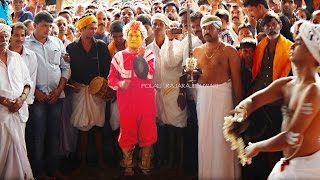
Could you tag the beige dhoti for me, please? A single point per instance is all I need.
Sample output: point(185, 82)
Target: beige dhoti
point(306, 168)
point(216, 160)
point(88, 110)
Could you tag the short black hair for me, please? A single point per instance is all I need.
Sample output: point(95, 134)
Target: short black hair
point(196, 15)
point(170, 4)
point(27, 22)
point(223, 14)
point(128, 7)
point(145, 19)
point(72, 28)
point(268, 17)
point(242, 26)
point(247, 3)
point(18, 25)
point(116, 26)
point(305, 11)
point(155, 3)
point(203, 2)
point(65, 12)
point(43, 16)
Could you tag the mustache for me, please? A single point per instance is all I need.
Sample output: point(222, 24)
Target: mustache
point(235, 17)
point(272, 33)
point(171, 18)
point(102, 24)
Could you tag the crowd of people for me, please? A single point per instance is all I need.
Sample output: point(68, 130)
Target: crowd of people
point(119, 72)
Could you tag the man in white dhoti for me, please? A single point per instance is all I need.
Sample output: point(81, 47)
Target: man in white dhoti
point(299, 139)
point(168, 58)
point(89, 59)
point(15, 85)
point(218, 88)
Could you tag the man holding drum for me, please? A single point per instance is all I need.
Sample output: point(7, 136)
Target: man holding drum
point(89, 58)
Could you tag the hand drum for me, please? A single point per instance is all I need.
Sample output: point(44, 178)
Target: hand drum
point(140, 67)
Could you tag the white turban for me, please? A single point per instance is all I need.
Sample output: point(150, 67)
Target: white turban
point(5, 28)
point(160, 17)
point(210, 19)
point(310, 34)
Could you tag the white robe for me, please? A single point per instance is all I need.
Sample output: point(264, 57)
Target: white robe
point(168, 69)
point(14, 163)
point(216, 160)
point(307, 167)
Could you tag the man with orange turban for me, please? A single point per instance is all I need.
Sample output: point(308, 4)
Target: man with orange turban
point(89, 58)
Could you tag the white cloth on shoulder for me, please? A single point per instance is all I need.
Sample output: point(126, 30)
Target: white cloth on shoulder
point(307, 167)
point(216, 159)
point(88, 110)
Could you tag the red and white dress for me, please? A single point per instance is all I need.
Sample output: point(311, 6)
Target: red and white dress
point(136, 104)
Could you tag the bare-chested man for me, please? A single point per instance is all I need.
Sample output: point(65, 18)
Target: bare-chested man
point(299, 138)
point(218, 89)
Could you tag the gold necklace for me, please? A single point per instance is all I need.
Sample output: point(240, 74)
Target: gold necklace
point(214, 52)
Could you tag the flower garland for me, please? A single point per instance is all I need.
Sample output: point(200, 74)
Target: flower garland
point(237, 143)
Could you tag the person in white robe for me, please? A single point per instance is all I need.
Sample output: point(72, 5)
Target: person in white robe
point(168, 58)
point(15, 85)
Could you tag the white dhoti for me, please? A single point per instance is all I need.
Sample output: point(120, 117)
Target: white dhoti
point(216, 159)
point(306, 168)
point(14, 163)
point(88, 110)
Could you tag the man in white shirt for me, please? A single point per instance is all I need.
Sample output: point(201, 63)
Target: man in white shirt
point(17, 40)
point(15, 84)
point(168, 70)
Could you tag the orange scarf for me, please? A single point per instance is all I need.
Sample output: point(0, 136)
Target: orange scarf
point(113, 49)
point(281, 61)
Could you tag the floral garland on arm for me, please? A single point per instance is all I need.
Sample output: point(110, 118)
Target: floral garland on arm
point(237, 143)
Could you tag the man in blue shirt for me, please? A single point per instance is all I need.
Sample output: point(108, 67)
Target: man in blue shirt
point(19, 14)
point(4, 11)
point(45, 114)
